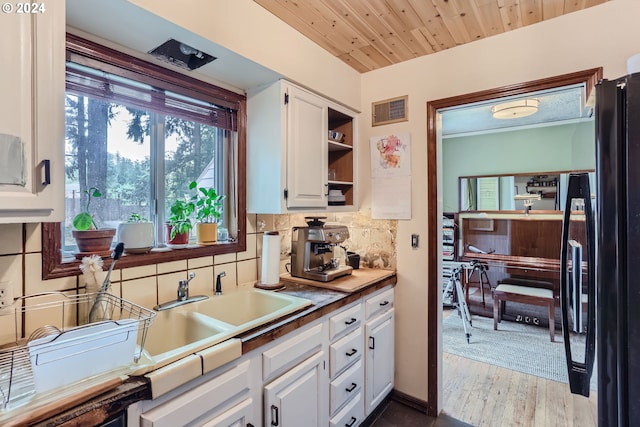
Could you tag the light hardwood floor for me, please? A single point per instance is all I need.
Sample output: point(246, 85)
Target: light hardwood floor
point(485, 395)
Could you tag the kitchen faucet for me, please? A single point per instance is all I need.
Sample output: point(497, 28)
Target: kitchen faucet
point(183, 287)
point(183, 295)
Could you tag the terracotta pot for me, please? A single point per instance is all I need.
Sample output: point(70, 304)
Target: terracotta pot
point(180, 240)
point(94, 241)
point(207, 232)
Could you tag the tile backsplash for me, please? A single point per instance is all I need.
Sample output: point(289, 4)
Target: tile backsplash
point(21, 262)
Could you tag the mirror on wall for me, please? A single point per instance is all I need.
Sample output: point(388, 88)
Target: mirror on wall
point(526, 191)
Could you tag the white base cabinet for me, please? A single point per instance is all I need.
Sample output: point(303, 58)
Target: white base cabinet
point(380, 359)
point(293, 399)
point(238, 416)
point(331, 372)
point(221, 399)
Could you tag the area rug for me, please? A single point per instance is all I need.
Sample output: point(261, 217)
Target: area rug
point(516, 346)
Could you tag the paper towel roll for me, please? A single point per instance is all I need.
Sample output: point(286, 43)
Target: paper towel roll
point(270, 258)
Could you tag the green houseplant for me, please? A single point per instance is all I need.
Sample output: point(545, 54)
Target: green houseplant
point(208, 208)
point(179, 224)
point(137, 234)
point(89, 237)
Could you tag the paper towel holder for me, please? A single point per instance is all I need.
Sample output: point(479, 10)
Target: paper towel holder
point(269, 286)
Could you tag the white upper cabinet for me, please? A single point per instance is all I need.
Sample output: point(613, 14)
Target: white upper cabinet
point(291, 164)
point(32, 112)
point(307, 180)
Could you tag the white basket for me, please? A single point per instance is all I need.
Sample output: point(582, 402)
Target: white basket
point(77, 350)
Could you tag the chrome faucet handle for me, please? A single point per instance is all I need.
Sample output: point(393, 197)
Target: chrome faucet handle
point(183, 287)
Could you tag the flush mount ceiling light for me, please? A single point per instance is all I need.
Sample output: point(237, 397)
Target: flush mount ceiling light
point(515, 109)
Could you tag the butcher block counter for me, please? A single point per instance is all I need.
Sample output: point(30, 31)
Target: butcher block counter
point(357, 280)
point(99, 405)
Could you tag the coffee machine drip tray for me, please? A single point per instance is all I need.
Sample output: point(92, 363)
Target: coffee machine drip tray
point(326, 275)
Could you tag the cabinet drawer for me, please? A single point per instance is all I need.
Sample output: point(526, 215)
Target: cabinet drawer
point(344, 321)
point(351, 415)
point(379, 303)
point(345, 351)
point(346, 386)
point(203, 399)
point(283, 356)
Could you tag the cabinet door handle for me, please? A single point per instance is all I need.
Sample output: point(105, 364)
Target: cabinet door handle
point(274, 415)
point(351, 321)
point(327, 193)
point(372, 343)
point(382, 304)
point(352, 352)
point(351, 387)
point(46, 165)
point(351, 422)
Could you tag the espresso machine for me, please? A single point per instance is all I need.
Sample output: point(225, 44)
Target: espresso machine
point(312, 250)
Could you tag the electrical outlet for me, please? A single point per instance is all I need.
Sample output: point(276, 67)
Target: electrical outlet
point(6, 295)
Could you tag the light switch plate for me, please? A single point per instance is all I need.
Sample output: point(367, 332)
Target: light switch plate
point(415, 241)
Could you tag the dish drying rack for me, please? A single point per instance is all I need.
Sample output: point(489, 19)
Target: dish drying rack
point(68, 348)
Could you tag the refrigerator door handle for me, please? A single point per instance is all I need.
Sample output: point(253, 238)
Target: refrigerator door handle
point(579, 372)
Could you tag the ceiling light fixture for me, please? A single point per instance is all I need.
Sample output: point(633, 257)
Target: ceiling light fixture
point(515, 109)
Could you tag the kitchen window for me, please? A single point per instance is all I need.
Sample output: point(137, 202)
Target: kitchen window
point(140, 133)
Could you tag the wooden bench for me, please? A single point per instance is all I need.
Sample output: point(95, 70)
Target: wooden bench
point(526, 295)
point(527, 282)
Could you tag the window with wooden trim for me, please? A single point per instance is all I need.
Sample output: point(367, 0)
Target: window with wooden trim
point(141, 133)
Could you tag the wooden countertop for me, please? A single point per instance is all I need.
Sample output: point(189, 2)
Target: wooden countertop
point(100, 401)
point(358, 279)
point(325, 299)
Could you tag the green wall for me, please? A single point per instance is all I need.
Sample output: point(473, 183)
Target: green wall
point(548, 149)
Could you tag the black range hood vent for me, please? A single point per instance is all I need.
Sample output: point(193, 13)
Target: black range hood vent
point(181, 55)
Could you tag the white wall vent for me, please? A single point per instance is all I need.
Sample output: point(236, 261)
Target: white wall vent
point(389, 111)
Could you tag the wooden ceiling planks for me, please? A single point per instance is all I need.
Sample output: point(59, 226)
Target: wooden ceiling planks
point(531, 11)
point(371, 34)
point(552, 9)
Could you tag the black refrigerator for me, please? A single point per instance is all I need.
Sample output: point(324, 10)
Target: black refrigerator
point(607, 270)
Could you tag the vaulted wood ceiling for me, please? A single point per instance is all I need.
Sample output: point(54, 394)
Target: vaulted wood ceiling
point(371, 34)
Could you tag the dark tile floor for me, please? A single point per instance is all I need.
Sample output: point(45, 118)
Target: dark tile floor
point(399, 415)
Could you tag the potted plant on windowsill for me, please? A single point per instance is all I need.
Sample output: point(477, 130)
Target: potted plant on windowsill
point(89, 238)
point(137, 234)
point(208, 207)
point(179, 225)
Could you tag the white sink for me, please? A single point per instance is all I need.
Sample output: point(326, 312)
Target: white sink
point(180, 331)
point(189, 328)
point(248, 309)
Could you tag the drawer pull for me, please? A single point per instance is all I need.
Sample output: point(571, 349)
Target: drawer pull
point(274, 415)
point(351, 387)
point(351, 322)
point(352, 352)
point(351, 422)
point(382, 304)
